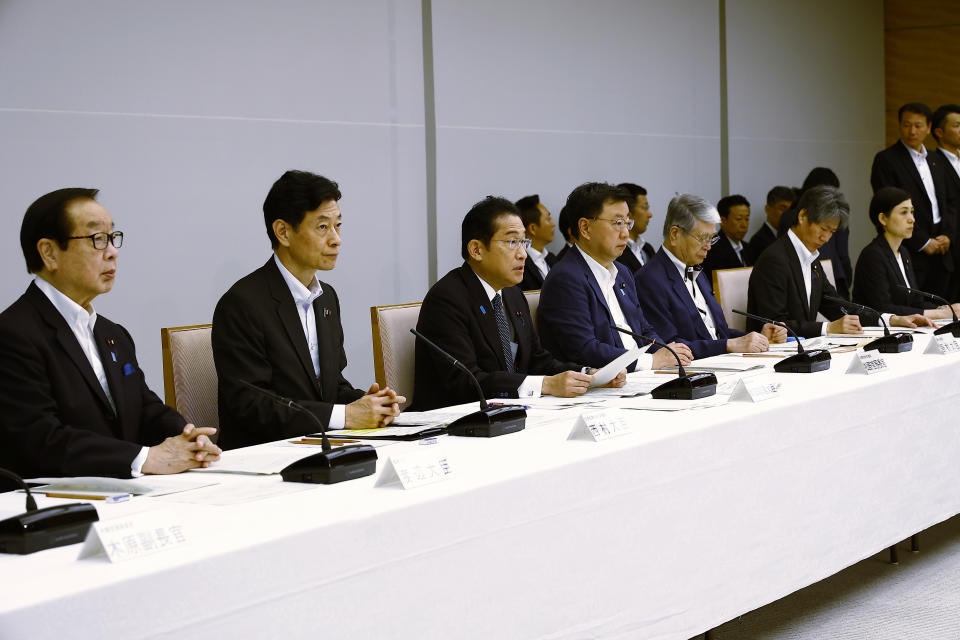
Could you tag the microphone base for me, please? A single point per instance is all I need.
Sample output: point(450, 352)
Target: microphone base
point(689, 387)
point(489, 423)
point(810, 361)
point(46, 528)
point(893, 343)
point(953, 327)
point(348, 462)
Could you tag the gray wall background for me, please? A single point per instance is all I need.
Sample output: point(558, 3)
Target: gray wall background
point(184, 112)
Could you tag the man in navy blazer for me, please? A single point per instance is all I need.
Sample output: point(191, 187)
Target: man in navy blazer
point(588, 291)
point(73, 398)
point(674, 293)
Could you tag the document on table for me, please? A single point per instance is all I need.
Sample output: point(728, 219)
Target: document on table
point(553, 403)
point(609, 372)
point(386, 433)
point(146, 486)
point(430, 418)
point(241, 491)
point(259, 460)
point(656, 404)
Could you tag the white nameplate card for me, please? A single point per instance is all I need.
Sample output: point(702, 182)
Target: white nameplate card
point(944, 344)
point(868, 362)
point(426, 465)
point(599, 425)
point(755, 389)
point(135, 536)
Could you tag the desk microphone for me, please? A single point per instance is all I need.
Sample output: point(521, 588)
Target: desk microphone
point(953, 327)
point(330, 465)
point(890, 342)
point(39, 529)
point(803, 361)
point(488, 422)
point(685, 386)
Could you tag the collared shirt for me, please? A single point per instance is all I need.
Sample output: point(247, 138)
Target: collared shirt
point(539, 259)
point(607, 279)
point(304, 298)
point(806, 267)
point(532, 386)
point(903, 270)
point(695, 294)
point(953, 158)
point(737, 248)
point(636, 246)
point(772, 228)
point(81, 323)
point(920, 161)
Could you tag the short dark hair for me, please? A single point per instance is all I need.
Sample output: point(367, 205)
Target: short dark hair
point(563, 221)
point(47, 218)
point(780, 194)
point(529, 211)
point(587, 200)
point(915, 107)
point(940, 117)
point(726, 203)
point(480, 221)
point(633, 191)
point(824, 203)
point(293, 195)
point(883, 202)
point(820, 177)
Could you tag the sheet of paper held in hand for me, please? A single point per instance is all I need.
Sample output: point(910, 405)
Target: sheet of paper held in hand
point(610, 371)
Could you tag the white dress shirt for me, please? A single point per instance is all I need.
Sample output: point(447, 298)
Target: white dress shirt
point(737, 248)
point(304, 297)
point(695, 293)
point(607, 279)
point(903, 270)
point(920, 161)
point(532, 386)
point(539, 259)
point(81, 323)
point(954, 160)
point(636, 246)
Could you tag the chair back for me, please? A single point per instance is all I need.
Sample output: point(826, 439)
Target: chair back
point(730, 287)
point(533, 301)
point(189, 375)
point(393, 346)
point(828, 271)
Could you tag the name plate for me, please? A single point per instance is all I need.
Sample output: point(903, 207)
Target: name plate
point(868, 362)
point(599, 425)
point(755, 389)
point(427, 465)
point(944, 344)
point(141, 534)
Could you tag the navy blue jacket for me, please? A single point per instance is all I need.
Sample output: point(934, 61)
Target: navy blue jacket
point(573, 318)
point(666, 300)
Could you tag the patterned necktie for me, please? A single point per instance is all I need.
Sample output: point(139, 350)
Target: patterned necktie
point(504, 330)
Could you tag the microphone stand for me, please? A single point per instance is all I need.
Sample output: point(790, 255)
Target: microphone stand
point(889, 342)
point(685, 386)
point(952, 327)
point(803, 361)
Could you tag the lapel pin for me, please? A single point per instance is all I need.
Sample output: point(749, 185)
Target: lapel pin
point(326, 312)
point(482, 310)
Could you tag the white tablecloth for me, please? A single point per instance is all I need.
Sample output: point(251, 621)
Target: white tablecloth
point(692, 519)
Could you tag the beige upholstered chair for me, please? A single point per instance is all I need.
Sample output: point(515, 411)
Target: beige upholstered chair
point(189, 377)
point(533, 299)
point(393, 346)
point(730, 287)
point(828, 271)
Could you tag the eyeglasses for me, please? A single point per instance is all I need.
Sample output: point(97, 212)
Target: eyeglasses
point(619, 224)
point(710, 239)
point(514, 243)
point(100, 239)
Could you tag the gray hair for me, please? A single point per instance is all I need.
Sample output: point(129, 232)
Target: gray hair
point(825, 203)
point(684, 211)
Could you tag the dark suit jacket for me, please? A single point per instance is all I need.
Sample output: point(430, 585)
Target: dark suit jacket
point(532, 280)
point(666, 302)
point(893, 167)
point(776, 291)
point(573, 317)
point(56, 419)
point(629, 259)
point(836, 250)
point(721, 256)
point(457, 316)
point(257, 337)
point(877, 277)
point(762, 239)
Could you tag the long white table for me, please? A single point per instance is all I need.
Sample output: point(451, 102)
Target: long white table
point(692, 519)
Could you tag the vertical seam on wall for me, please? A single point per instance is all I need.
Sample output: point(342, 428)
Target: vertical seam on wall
point(430, 138)
point(724, 129)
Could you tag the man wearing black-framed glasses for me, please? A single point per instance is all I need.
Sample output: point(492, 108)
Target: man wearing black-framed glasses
point(73, 398)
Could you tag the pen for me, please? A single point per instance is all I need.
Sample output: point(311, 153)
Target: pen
point(119, 497)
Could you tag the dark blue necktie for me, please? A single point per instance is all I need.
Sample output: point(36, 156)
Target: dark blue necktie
point(504, 330)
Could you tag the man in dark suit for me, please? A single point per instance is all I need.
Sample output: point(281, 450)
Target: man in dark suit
point(588, 291)
point(539, 227)
point(946, 130)
point(638, 251)
point(563, 222)
point(779, 199)
point(278, 328)
point(729, 252)
point(677, 301)
point(477, 314)
point(73, 398)
point(788, 284)
point(907, 165)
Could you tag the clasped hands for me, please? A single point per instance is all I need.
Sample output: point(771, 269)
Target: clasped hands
point(189, 449)
point(376, 408)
